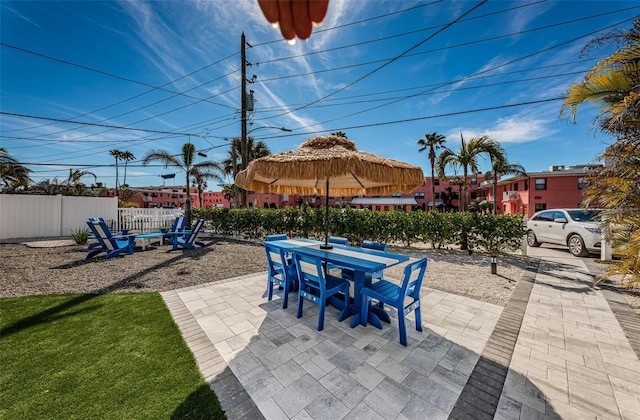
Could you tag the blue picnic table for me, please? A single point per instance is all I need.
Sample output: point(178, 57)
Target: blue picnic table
point(363, 262)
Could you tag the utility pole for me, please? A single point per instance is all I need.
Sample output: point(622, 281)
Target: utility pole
point(243, 115)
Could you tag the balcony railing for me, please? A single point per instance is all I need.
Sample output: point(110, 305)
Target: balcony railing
point(510, 196)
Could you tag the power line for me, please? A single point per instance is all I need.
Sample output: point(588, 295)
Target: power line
point(462, 79)
point(427, 117)
point(115, 127)
point(343, 101)
point(386, 38)
point(385, 123)
point(388, 62)
point(104, 73)
point(362, 21)
point(448, 47)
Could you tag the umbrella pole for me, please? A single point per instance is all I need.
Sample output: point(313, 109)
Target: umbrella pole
point(326, 220)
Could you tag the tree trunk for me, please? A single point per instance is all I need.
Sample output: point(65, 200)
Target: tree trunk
point(187, 205)
point(495, 192)
point(433, 187)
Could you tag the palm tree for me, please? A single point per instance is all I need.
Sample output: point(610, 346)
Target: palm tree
point(255, 150)
point(117, 154)
point(74, 185)
point(184, 161)
point(467, 159)
point(229, 192)
point(611, 86)
point(200, 177)
point(127, 156)
point(233, 163)
point(432, 142)
point(12, 174)
point(500, 166)
point(339, 134)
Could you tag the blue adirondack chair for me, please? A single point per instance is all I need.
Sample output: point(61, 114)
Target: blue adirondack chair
point(317, 287)
point(393, 295)
point(177, 227)
point(112, 245)
point(281, 272)
point(188, 239)
point(121, 232)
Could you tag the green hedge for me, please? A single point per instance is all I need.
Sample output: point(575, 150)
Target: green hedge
point(485, 232)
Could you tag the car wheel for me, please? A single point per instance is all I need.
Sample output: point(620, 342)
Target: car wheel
point(576, 246)
point(532, 240)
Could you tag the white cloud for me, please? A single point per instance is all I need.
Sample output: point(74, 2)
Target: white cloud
point(21, 16)
point(518, 130)
point(513, 129)
point(521, 19)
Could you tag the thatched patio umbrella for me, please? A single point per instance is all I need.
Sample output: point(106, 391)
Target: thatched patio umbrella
point(329, 165)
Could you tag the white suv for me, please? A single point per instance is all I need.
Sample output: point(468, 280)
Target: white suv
point(576, 228)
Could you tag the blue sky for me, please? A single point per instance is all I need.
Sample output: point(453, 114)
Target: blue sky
point(138, 76)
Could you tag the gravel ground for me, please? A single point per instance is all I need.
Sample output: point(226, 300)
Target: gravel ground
point(58, 266)
point(55, 267)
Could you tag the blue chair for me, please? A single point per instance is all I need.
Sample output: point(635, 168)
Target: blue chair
point(338, 240)
point(280, 272)
point(112, 245)
point(317, 287)
point(278, 237)
point(177, 227)
point(188, 239)
point(390, 293)
point(347, 273)
point(378, 246)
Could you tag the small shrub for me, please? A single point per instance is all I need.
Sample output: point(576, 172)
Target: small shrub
point(80, 236)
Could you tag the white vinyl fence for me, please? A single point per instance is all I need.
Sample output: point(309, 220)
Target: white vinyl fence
point(32, 216)
point(47, 216)
point(146, 220)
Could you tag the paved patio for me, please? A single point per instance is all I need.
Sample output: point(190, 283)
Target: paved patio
point(556, 351)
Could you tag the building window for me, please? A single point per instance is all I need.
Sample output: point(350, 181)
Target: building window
point(419, 196)
point(437, 195)
point(474, 181)
point(526, 185)
point(396, 195)
point(541, 184)
point(582, 183)
point(541, 206)
point(436, 181)
point(473, 195)
point(515, 187)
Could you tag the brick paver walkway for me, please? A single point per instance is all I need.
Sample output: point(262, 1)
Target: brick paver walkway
point(572, 359)
point(556, 351)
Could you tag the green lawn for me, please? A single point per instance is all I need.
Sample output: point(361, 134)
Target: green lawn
point(113, 356)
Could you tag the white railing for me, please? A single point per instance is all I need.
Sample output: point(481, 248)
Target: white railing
point(146, 220)
point(510, 195)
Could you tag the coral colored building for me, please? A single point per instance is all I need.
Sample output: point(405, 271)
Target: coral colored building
point(447, 198)
point(560, 186)
point(163, 196)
